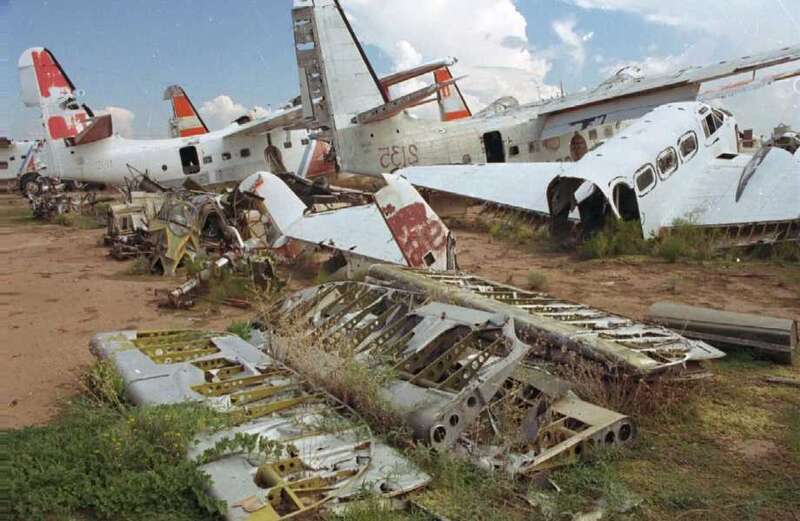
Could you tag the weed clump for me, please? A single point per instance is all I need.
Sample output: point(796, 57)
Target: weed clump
point(109, 461)
point(243, 330)
point(139, 266)
point(537, 280)
point(687, 241)
point(616, 239)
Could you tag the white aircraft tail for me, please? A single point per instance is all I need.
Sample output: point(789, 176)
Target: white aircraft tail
point(419, 232)
point(337, 81)
point(186, 121)
point(452, 105)
point(44, 84)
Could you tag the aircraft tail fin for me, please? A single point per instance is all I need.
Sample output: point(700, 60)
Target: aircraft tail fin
point(44, 84)
point(337, 81)
point(452, 105)
point(421, 235)
point(186, 121)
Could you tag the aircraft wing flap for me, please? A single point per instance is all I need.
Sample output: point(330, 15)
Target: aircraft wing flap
point(517, 185)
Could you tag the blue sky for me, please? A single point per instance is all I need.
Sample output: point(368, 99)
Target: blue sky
point(124, 53)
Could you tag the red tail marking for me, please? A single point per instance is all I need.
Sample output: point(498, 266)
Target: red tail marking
point(48, 73)
point(196, 131)
point(319, 164)
point(183, 109)
point(416, 235)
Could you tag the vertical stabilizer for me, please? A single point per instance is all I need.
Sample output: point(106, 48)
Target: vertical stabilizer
point(452, 105)
point(420, 234)
point(337, 81)
point(186, 121)
point(45, 84)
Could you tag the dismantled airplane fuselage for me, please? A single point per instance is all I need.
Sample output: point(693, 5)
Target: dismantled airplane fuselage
point(84, 147)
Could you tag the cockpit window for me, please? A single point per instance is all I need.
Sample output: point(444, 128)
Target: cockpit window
point(713, 122)
point(667, 163)
point(688, 145)
point(645, 180)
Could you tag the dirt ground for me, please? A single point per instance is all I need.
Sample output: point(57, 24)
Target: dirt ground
point(59, 288)
point(629, 285)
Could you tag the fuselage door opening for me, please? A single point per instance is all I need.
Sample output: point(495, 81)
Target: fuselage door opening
point(190, 161)
point(495, 148)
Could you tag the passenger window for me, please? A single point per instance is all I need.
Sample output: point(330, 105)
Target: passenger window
point(667, 163)
point(226, 156)
point(245, 152)
point(304, 141)
point(608, 131)
point(593, 135)
point(287, 144)
point(513, 151)
point(645, 180)
point(3, 165)
point(688, 145)
point(207, 160)
point(11, 158)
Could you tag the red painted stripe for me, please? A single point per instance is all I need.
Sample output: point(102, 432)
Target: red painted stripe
point(196, 131)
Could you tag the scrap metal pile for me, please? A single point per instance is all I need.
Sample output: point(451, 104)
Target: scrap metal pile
point(469, 360)
point(312, 450)
point(52, 198)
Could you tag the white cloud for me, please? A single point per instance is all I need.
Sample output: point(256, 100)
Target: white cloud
point(575, 43)
point(121, 119)
point(487, 36)
point(222, 110)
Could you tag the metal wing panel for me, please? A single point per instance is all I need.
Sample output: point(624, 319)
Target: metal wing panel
point(518, 185)
point(611, 90)
point(360, 230)
point(282, 119)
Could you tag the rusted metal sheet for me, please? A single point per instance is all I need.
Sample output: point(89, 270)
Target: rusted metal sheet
point(769, 337)
point(323, 452)
point(465, 381)
point(560, 326)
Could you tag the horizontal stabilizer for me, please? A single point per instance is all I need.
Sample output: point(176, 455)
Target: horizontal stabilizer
point(415, 72)
point(101, 127)
point(394, 107)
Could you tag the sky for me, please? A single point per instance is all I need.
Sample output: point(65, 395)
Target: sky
point(238, 55)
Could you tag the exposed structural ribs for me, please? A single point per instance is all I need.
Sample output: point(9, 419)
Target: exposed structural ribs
point(320, 451)
point(460, 379)
point(558, 326)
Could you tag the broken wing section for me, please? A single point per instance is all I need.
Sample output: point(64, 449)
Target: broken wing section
point(324, 453)
point(186, 121)
point(521, 186)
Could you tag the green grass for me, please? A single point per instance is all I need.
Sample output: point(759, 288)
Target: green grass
point(105, 460)
point(139, 266)
point(618, 238)
point(242, 329)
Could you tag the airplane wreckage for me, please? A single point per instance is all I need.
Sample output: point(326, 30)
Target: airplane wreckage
point(634, 148)
point(472, 368)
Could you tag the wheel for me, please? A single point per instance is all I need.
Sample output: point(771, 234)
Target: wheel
point(29, 183)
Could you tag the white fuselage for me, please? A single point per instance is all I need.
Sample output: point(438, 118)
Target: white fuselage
point(213, 158)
